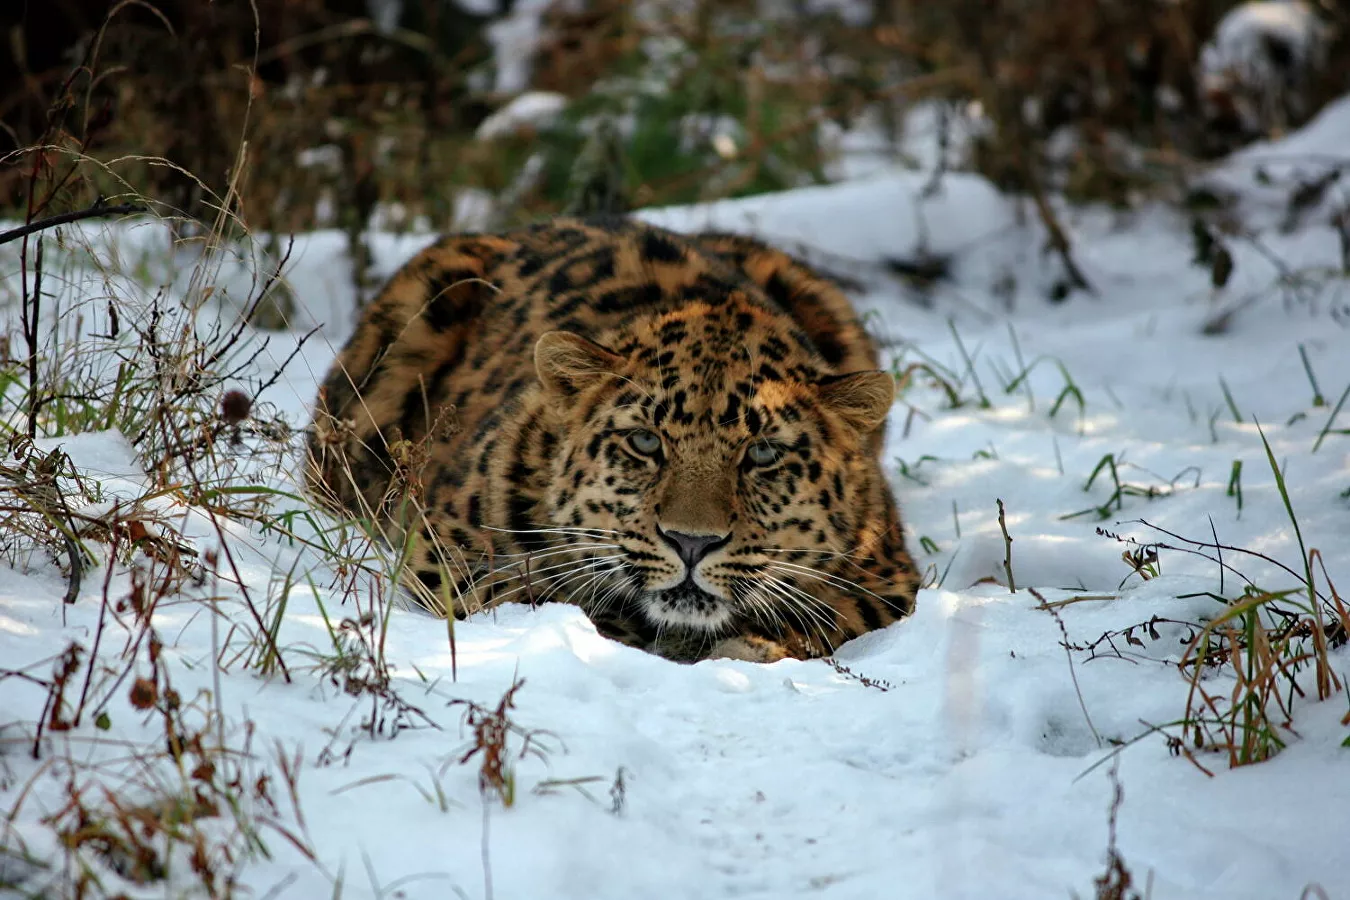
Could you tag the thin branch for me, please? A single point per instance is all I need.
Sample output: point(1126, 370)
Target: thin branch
point(98, 210)
point(1007, 549)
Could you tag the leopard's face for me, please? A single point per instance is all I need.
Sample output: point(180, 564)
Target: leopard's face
point(712, 468)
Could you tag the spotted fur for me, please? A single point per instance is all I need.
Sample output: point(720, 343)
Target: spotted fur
point(678, 434)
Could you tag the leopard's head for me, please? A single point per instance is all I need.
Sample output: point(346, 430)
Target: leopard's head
point(711, 463)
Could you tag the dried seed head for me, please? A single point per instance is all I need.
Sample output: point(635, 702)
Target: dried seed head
point(143, 693)
point(235, 407)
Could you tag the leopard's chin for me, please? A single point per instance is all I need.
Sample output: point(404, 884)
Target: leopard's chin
point(686, 605)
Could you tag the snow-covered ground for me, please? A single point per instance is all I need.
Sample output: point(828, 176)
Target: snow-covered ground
point(963, 755)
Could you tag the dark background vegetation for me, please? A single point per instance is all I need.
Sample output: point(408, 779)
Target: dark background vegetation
point(196, 103)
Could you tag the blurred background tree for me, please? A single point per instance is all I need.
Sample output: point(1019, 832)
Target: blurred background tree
point(300, 114)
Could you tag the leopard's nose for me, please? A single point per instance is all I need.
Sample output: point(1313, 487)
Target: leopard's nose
point(693, 547)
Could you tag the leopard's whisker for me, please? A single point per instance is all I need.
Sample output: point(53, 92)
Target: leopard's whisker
point(796, 597)
point(824, 628)
point(536, 578)
point(629, 591)
point(622, 589)
point(520, 570)
point(749, 597)
point(531, 571)
point(589, 545)
point(552, 551)
point(593, 585)
point(851, 558)
point(527, 580)
point(603, 572)
point(554, 589)
point(832, 554)
point(780, 605)
point(767, 609)
point(554, 529)
point(832, 580)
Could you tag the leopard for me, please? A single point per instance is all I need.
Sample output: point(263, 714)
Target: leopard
point(681, 434)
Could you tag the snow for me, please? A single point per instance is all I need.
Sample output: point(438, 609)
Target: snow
point(1259, 177)
point(530, 110)
point(514, 38)
point(1260, 56)
point(1239, 44)
point(970, 766)
point(385, 13)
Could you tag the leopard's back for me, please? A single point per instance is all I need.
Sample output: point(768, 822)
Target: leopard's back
point(447, 344)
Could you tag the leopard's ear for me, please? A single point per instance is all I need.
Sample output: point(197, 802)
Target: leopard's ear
point(568, 363)
point(862, 398)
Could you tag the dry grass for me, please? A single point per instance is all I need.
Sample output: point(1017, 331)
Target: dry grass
point(184, 808)
point(177, 369)
point(1246, 666)
point(1117, 882)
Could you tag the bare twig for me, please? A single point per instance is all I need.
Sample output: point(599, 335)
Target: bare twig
point(97, 211)
point(1007, 549)
point(1117, 882)
point(30, 313)
point(1055, 234)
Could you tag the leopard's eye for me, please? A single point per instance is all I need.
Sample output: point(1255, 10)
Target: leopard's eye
point(647, 443)
point(764, 453)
